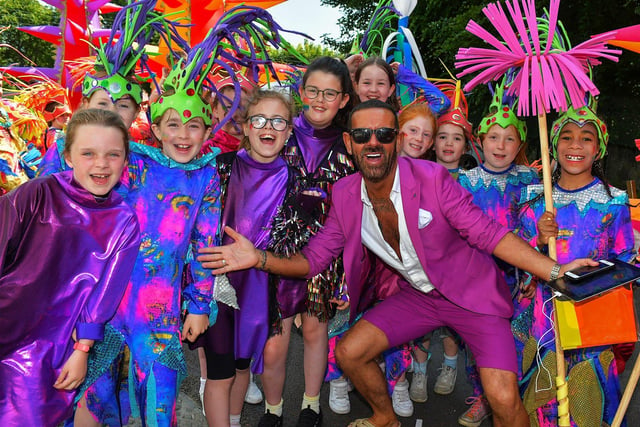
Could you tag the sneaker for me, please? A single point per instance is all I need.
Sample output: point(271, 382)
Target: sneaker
point(339, 396)
point(253, 395)
point(203, 382)
point(477, 413)
point(309, 418)
point(446, 381)
point(418, 389)
point(402, 404)
point(270, 420)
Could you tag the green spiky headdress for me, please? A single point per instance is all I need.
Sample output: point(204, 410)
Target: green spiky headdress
point(501, 112)
point(580, 117)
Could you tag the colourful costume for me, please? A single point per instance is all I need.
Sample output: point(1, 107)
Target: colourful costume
point(272, 221)
point(591, 225)
point(43, 299)
point(320, 157)
point(497, 194)
point(177, 206)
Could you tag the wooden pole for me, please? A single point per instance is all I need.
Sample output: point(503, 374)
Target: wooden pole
point(628, 392)
point(562, 389)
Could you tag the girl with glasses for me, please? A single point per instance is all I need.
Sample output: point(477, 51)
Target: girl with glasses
point(316, 151)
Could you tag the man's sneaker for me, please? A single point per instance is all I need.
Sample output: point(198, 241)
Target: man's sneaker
point(309, 418)
point(270, 420)
point(339, 396)
point(478, 411)
point(253, 395)
point(446, 381)
point(402, 404)
point(418, 389)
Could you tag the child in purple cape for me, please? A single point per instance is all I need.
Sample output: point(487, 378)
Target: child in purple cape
point(67, 247)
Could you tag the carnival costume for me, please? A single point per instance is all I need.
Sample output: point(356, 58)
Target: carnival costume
point(90, 245)
point(177, 206)
point(272, 220)
point(592, 223)
point(321, 159)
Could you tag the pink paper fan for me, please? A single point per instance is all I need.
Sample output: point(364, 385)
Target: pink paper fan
point(547, 74)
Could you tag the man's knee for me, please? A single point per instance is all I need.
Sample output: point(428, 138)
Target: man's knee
point(361, 344)
point(501, 389)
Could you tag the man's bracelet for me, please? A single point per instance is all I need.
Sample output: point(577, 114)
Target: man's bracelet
point(555, 272)
point(264, 260)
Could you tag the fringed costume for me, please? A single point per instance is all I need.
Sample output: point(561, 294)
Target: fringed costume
point(321, 159)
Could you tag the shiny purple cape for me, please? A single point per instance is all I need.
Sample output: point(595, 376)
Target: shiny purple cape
point(254, 194)
point(314, 143)
point(65, 259)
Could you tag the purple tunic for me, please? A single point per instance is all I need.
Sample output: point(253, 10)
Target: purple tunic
point(65, 259)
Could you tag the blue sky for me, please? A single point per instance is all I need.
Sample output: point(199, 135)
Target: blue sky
point(307, 16)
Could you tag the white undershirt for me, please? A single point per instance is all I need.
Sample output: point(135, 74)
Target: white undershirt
point(409, 267)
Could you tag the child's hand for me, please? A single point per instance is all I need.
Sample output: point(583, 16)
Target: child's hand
point(194, 326)
point(526, 291)
point(547, 227)
point(73, 371)
point(340, 303)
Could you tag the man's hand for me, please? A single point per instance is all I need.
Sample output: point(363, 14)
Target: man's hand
point(239, 255)
point(73, 371)
point(194, 326)
point(580, 262)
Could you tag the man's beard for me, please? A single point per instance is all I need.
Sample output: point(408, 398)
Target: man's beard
point(375, 173)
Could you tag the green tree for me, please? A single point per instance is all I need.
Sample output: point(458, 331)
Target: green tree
point(307, 49)
point(439, 29)
point(18, 13)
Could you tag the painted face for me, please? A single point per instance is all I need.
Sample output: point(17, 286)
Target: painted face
point(416, 137)
point(375, 160)
point(266, 141)
point(374, 84)
point(234, 126)
point(97, 156)
point(318, 111)
point(577, 150)
point(61, 121)
point(500, 147)
point(125, 106)
point(449, 145)
point(180, 141)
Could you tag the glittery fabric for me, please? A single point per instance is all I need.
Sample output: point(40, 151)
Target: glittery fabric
point(591, 225)
point(321, 159)
point(43, 296)
point(178, 207)
point(250, 209)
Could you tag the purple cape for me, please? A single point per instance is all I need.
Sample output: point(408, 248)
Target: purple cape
point(65, 259)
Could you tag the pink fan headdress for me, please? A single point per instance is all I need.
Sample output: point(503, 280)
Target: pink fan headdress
point(548, 70)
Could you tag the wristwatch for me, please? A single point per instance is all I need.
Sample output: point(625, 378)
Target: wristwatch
point(555, 272)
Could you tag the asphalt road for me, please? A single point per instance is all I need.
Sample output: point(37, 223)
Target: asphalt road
point(438, 411)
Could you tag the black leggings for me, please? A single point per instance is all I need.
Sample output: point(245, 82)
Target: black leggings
point(223, 366)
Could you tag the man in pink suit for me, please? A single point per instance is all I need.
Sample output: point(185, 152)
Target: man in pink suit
point(417, 220)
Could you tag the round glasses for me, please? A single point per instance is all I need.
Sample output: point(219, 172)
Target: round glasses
point(277, 123)
point(383, 135)
point(329, 95)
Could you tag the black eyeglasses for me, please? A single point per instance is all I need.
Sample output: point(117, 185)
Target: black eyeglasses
point(383, 135)
point(329, 95)
point(277, 123)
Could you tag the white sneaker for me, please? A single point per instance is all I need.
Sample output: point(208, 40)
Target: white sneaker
point(418, 389)
point(203, 382)
point(446, 381)
point(402, 404)
point(253, 395)
point(339, 396)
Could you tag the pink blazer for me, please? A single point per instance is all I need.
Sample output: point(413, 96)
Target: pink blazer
point(452, 238)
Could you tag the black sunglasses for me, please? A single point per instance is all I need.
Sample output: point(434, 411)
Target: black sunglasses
point(383, 135)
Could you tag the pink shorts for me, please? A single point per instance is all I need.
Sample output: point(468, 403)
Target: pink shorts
point(410, 314)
